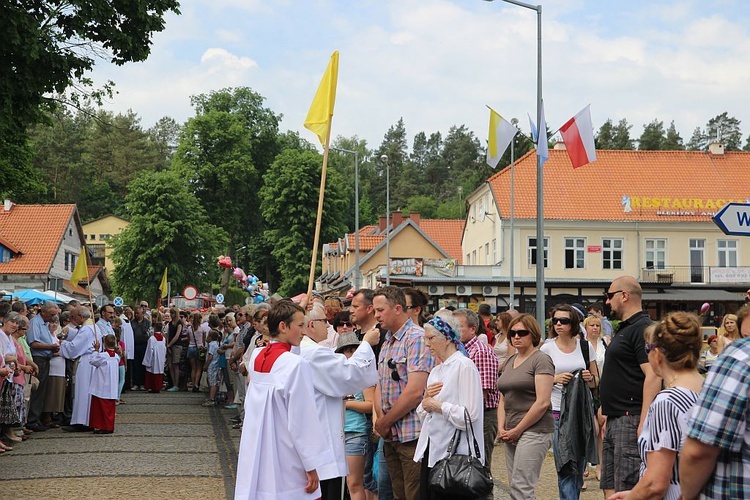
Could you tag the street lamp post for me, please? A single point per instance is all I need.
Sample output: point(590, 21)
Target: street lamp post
point(357, 277)
point(384, 159)
point(511, 298)
point(539, 171)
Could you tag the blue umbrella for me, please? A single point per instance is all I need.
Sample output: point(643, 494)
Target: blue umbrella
point(32, 297)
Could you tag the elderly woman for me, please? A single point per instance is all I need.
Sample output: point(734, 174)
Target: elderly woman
point(453, 388)
point(673, 347)
point(728, 331)
point(524, 414)
point(710, 354)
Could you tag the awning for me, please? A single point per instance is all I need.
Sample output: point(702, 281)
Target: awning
point(693, 295)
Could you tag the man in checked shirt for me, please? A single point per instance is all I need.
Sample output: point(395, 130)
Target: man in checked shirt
point(488, 364)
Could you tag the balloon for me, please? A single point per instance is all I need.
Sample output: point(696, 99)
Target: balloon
point(705, 307)
point(225, 262)
point(239, 274)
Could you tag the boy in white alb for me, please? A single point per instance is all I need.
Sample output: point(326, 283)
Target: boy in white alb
point(279, 429)
point(104, 386)
point(154, 360)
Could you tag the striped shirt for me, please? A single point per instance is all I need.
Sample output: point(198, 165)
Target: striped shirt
point(722, 419)
point(406, 350)
point(488, 365)
point(665, 428)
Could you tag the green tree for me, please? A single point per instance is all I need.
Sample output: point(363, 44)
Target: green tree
point(289, 200)
point(392, 154)
point(611, 136)
point(168, 228)
point(164, 136)
point(698, 141)
point(425, 206)
point(726, 130)
point(673, 140)
point(652, 137)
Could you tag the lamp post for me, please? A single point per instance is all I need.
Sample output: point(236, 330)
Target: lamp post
point(511, 298)
point(539, 171)
point(357, 277)
point(384, 159)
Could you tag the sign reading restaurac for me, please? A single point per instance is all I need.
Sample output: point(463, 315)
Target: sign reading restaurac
point(734, 219)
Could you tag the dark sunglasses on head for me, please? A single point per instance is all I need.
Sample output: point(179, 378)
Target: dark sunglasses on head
point(610, 295)
point(562, 321)
point(394, 374)
point(518, 333)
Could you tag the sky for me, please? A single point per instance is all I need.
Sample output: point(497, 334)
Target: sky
point(438, 63)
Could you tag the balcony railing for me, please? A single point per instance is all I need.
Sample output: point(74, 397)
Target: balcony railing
point(696, 275)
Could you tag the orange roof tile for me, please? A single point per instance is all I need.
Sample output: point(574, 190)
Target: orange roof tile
point(446, 233)
point(628, 186)
point(37, 230)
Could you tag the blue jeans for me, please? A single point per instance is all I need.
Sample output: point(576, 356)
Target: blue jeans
point(570, 477)
point(385, 489)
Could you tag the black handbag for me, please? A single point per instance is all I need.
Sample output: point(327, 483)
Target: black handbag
point(461, 476)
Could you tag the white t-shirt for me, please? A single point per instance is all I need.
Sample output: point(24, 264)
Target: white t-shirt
point(565, 363)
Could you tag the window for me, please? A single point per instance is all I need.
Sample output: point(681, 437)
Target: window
point(474, 257)
point(612, 253)
point(656, 253)
point(67, 261)
point(468, 259)
point(487, 254)
point(575, 253)
point(5, 254)
point(494, 250)
point(727, 253)
point(73, 260)
point(102, 237)
point(532, 252)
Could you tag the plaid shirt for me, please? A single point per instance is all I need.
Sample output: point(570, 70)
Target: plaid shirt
point(722, 419)
point(407, 349)
point(488, 364)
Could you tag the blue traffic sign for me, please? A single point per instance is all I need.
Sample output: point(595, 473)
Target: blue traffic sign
point(734, 219)
point(219, 298)
point(118, 302)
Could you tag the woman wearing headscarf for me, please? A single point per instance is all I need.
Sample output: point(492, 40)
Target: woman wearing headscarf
point(453, 389)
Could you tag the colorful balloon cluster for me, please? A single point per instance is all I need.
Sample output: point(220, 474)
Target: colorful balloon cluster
point(248, 282)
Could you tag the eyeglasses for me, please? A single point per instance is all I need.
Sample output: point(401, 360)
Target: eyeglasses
point(562, 321)
point(610, 295)
point(411, 307)
point(318, 319)
point(650, 347)
point(518, 333)
point(22, 328)
point(394, 374)
point(345, 324)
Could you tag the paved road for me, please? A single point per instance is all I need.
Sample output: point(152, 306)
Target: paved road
point(164, 446)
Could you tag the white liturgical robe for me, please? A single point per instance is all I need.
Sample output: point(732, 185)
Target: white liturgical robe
point(335, 376)
point(82, 346)
point(126, 335)
point(104, 380)
point(155, 356)
point(280, 442)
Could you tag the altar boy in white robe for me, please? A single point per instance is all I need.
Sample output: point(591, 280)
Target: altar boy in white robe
point(334, 376)
point(104, 386)
point(281, 445)
point(81, 347)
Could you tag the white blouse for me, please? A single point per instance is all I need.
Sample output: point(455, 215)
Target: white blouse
point(461, 389)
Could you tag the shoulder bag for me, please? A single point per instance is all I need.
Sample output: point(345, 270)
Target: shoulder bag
point(461, 476)
point(587, 362)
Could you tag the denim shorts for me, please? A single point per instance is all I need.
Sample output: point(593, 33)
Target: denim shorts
point(355, 443)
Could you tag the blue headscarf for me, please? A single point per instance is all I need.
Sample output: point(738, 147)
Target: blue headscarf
point(448, 332)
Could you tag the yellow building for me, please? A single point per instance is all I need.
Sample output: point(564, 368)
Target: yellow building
point(97, 234)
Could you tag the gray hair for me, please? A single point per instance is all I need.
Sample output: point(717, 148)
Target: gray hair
point(318, 311)
point(13, 316)
point(49, 306)
point(472, 319)
point(84, 312)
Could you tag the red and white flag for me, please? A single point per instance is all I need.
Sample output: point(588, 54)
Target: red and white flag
point(578, 135)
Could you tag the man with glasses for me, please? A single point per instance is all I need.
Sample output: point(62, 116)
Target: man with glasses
point(627, 388)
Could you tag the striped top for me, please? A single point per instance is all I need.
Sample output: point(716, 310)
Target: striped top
point(665, 427)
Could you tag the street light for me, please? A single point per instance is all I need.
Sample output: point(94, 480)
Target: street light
point(511, 298)
point(384, 159)
point(357, 277)
point(539, 170)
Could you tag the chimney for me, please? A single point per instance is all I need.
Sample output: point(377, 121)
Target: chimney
point(381, 224)
point(7, 205)
point(716, 149)
point(397, 219)
point(414, 216)
point(559, 146)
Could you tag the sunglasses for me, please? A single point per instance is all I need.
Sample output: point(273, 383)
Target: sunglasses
point(394, 374)
point(611, 295)
point(345, 324)
point(650, 347)
point(562, 321)
point(518, 333)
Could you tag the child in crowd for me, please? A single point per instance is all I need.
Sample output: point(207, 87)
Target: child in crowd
point(155, 359)
point(212, 366)
point(104, 383)
point(117, 327)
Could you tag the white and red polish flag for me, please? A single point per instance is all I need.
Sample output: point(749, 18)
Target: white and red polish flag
point(578, 135)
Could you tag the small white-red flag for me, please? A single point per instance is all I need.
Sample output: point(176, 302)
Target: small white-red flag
point(578, 135)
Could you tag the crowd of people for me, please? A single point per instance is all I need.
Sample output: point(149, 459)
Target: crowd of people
point(366, 398)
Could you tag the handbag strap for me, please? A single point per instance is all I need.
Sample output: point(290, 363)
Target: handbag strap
point(470, 426)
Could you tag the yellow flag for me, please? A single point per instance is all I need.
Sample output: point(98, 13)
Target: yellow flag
point(80, 272)
point(318, 118)
point(163, 286)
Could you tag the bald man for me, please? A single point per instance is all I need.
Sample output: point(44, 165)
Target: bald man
point(628, 386)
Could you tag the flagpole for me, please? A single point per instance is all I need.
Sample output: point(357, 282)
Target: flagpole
point(511, 298)
point(321, 196)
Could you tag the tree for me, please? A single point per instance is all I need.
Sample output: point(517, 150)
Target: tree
point(289, 200)
point(652, 137)
point(726, 130)
point(698, 141)
point(673, 140)
point(425, 206)
point(395, 150)
point(612, 136)
point(168, 228)
point(164, 136)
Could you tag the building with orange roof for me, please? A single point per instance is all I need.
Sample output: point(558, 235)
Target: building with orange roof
point(39, 248)
point(413, 242)
point(645, 214)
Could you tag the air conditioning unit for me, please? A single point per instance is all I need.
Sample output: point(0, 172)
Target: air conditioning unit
point(463, 290)
point(491, 291)
point(435, 290)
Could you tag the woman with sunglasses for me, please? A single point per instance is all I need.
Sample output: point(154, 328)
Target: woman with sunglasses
point(524, 414)
point(673, 347)
point(570, 362)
